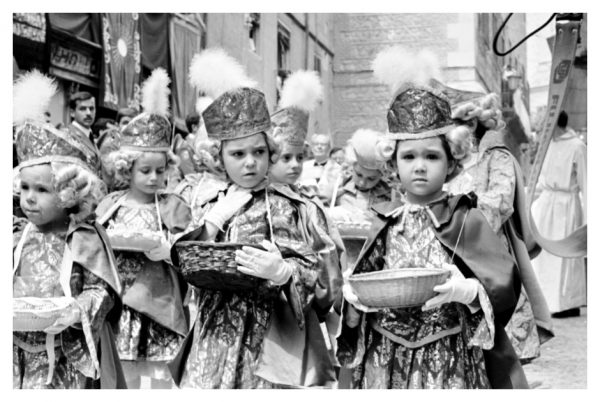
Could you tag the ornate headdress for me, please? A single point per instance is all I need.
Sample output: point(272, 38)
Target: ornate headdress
point(238, 110)
point(151, 129)
point(419, 108)
point(38, 142)
point(301, 92)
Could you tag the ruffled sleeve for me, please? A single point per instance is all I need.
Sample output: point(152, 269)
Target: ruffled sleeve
point(496, 199)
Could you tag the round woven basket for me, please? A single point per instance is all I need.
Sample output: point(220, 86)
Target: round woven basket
point(32, 314)
point(210, 265)
point(397, 288)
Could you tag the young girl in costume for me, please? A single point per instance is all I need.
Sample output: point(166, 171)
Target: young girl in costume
point(495, 176)
point(61, 255)
point(256, 338)
point(154, 320)
point(456, 340)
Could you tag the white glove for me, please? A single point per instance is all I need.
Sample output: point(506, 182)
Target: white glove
point(69, 317)
point(160, 252)
point(352, 298)
point(342, 214)
point(264, 264)
point(456, 289)
point(227, 206)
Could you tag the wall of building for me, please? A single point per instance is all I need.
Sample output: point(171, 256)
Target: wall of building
point(230, 32)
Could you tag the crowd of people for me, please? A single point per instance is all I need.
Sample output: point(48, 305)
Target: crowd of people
point(120, 219)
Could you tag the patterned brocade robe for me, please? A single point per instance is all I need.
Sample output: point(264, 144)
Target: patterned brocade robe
point(238, 336)
point(154, 320)
point(495, 178)
point(452, 346)
point(95, 287)
point(411, 348)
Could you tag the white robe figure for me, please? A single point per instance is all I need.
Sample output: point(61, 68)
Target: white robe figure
point(558, 210)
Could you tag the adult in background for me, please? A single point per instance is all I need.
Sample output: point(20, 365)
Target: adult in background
point(321, 172)
point(559, 208)
point(82, 109)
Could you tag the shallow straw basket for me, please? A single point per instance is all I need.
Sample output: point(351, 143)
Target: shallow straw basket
point(211, 265)
point(36, 314)
point(397, 288)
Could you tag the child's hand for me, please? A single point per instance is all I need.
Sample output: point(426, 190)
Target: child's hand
point(227, 206)
point(68, 318)
point(161, 252)
point(352, 298)
point(267, 264)
point(456, 289)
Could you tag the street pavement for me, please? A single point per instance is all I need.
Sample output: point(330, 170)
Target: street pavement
point(563, 360)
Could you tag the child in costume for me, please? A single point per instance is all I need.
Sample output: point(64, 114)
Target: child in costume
point(299, 96)
point(260, 337)
point(366, 187)
point(456, 340)
point(61, 255)
point(495, 176)
point(154, 320)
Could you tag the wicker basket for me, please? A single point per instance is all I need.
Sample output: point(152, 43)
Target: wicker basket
point(397, 288)
point(36, 314)
point(210, 265)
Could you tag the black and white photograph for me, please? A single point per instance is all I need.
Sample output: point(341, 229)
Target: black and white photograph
point(299, 200)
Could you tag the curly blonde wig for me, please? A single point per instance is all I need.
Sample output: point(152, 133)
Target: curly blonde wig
point(119, 165)
point(78, 189)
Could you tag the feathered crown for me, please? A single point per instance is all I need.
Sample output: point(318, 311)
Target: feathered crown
point(301, 92)
point(362, 149)
point(238, 110)
point(417, 110)
point(38, 142)
point(151, 129)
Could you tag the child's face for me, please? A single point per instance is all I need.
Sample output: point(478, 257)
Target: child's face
point(338, 156)
point(148, 173)
point(423, 167)
point(289, 165)
point(39, 201)
point(246, 160)
point(365, 179)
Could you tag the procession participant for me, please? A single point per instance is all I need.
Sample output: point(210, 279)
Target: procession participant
point(82, 106)
point(61, 255)
point(495, 176)
point(299, 96)
point(321, 173)
point(268, 339)
point(366, 187)
point(560, 208)
point(154, 320)
point(456, 340)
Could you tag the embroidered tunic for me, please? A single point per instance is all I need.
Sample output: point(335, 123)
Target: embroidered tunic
point(408, 347)
point(140, 338)
point(38, 276)
point(492, 178)
point(230, 327)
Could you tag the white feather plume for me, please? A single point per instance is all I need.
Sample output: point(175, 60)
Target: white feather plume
point(32, 93)
point(396, 66)
point(214, 72)
point(155, 93)
point(302, 89)
point(202, 103)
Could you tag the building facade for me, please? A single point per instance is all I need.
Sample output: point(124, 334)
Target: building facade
point(461, 42)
